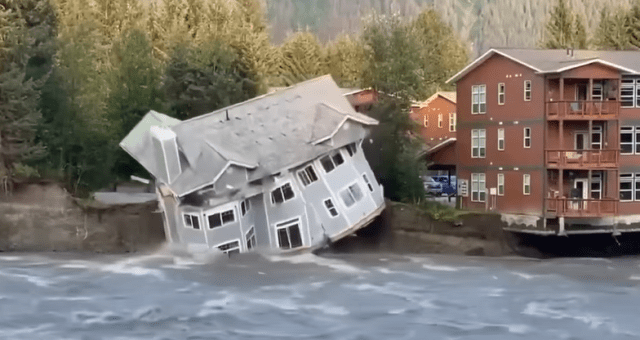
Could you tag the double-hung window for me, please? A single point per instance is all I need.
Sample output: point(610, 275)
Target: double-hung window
point(230, 248)
point(501, 139)
point(245, 206)
point(527, 137)
point(478, 99)
point(452, 122)
point(351, 195)
point(191, 221)
point(289, 236)
point(352, 149)
point(630, 140)
point(250, 237)
point(629, 187)
point(500, 184)
point(501, 94)
point(526, 184)
point(628, 92)
point(439, 120)
point(221, 218)
point(328, 203)
point(330, 162)
point(425, 120)
point(527, 90)
point(596, 186)
point(478, 143)
point(282, 194)
point(307, 175)
point(478, 187)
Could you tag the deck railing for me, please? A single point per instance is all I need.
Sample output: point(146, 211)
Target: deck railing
point(583, 109)
point(583, 158)
point(578, 207)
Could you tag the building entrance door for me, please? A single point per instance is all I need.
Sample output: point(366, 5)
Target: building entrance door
point(580, 141)
point(580, 194)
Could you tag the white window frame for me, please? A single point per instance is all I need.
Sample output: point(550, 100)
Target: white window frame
point(250, 238)
point(440, 119)
point(526, 136)
point(479, 187)
point(425, 120)
point(501, 141)
point(286, 225)
point(228, 251)
point(479, 142)
point(631, 86)
point(627, 178)
point(500, 184)
point(596, 178)
point(352, 149)
point(479, 98)
point(501, 93)
point(348, 189)
point(526, 184)
point(220, 210)
point(634, 131)
point(527, 90)
point(331, 157)
point(367, 182)
point(333, 206)
point(245, 206)
point(284, 199)
point(597, 92)
point(191, 216)
point(452, 122)
point(304, 175)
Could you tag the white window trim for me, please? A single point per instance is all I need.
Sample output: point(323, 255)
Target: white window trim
point(479, 190)
point(346, 187)
point(229, 250)
point(634, 87)
point(440, 119)
point(192, 214)
point(247, 207)
point(367, 182)
point(525, 90)
point(629, 178)
point(501, 138)
point(285, 224)
point(524, 138)
point(526, 181)
point(331, 154)
point(635, 142)
point(503, 93)
point(246, 238)
point(327, 209)
point(425, 120)
point(479, 143)
point(452, 122)
point(480, 102)
point(596, 178)
point(293, 189)
point(304, 172)
point(500, 184)
point(219, 210)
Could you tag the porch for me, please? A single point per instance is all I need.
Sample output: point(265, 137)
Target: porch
point(583, 109)
point(582, 193)
point(581, 159)
point(578, 207)
point(581, 97)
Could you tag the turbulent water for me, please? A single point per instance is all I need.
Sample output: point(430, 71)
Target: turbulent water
point(372, 296)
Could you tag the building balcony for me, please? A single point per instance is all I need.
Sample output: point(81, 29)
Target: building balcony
point(583, 109)
point(582, 159)
point(574, 207)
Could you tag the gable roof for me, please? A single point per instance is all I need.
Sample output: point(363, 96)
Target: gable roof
point(554, 61)
point(266, 134)
point(448, 95)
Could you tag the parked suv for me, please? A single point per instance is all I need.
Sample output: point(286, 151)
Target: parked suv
point(431, 186)
point(448, 188)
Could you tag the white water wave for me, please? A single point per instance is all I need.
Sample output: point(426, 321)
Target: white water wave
point(334, 264)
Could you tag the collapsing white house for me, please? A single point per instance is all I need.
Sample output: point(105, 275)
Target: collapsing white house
point(281, 171)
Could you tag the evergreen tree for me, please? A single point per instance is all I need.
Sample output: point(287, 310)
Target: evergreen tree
point(632, 20)
point(345, 58)
point(560, 28)
point(301, 57)
point(579, 34)
point(612, 31)
point(19, 114)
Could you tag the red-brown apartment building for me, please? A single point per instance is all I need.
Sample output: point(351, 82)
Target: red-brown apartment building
point(437, 119)
point(552, 134)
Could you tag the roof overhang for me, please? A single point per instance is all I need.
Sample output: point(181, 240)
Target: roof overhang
point(490, 53)
point(437, 147)
point(589, 62)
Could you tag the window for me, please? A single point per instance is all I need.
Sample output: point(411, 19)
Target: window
point(478, 188)
point(527, 90)
point(626, 188)
point(425, 120)
point(352, 149)
point(452, 122)
point(282, 194)
point(596, 138)
point(629, 92)
point(526, 184)
point(250, 237)
point(221, 218)
point(289, 234)
point(527, 137)
point(366, 180)
point(501, 139)
point(596, 92)
point(191, 221)
point(478, 143)
point(351, 195)
point(230, 248)
point(439, 120)
point(331, 162)
point(501, 89)
point(500, 184)
point(245, 206)
point(478, 99)
point(328, 203)
point(629, 140)
point(596, 186)
point(307, 175)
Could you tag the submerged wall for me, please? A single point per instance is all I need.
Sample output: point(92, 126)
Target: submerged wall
point(44, 217)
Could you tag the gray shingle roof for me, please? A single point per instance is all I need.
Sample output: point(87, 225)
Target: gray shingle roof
point(552, 61)
point(268, 134)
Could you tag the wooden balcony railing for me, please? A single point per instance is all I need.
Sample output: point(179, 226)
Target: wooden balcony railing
point(583, 109)
point(583, 158)
point(573, 207)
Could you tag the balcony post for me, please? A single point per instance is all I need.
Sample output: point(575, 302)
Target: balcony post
point(589, 99)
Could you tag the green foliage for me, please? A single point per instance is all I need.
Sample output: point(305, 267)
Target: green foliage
point(345, 57)
point(301, 57)
point(612, 31)
point(563, 29)
point(23, 171)
point(439, 211)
